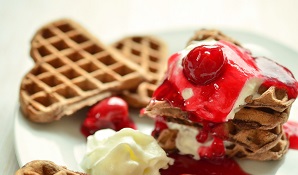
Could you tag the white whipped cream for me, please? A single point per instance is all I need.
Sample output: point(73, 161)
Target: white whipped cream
point(250, 88)
point(186, 141)
point(125, 152)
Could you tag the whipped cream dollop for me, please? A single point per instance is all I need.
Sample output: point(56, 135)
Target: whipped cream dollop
point(125, 152)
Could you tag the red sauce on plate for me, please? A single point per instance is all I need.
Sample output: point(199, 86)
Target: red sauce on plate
point(185, 164)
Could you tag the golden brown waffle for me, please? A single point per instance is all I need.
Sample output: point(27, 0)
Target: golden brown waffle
point(72, 70)
point(255, 132)
point(150, 54)
point(44, 167)
point(211, 34)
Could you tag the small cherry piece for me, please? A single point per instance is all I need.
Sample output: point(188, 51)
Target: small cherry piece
point(204, 64)
point(215, 151)
point(109, 113)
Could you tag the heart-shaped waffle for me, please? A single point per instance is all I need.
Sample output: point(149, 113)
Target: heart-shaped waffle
point(72, 70)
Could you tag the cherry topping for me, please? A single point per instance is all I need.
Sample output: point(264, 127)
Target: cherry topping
point(109, 113)
point(204, 64)
point(160, 125)
point(215, 151)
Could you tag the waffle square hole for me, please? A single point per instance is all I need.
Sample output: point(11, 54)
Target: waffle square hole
point(137, 39)
point(107, 60)
point(135, 52)
point(153, 58)
point(123, 70)
point(150, 92)
point(47, 33)
point(65, 27)
point(93, 49)
point(56, 63)
point(86, 85)
point(89, 67)
point(51, 81)
point(79, 38)
point(60, 45)
point(39, 70)
point(46, 100)
point(75, 57)
point(43, 51)
point(67, 92)
point(153, 69)
point(105, 78)
point(119, 46)
point(70, 74)
point(32, 88)
point(153, 46)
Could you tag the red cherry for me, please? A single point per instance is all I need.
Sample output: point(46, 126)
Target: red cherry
point(204, 64)
point(113, 108)
point(110, 113)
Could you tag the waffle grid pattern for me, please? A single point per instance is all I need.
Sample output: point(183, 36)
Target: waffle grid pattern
point(256, 131)
point(150, 54)
point(71, 66)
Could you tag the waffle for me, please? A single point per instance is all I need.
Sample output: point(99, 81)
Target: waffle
point(44, 167)
point(150, 54)
point(72, 70)
point(256, 131)
point(211, 34)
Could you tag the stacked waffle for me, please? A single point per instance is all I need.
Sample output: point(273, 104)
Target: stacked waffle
point(73, 70)
point(255, 132)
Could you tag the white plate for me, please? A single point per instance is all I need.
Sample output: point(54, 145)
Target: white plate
point(63, 143)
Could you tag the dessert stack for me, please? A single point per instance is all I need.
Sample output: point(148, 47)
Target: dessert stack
point(252, 130)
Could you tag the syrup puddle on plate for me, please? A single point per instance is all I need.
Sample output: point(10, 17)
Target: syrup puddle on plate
point(187, 165)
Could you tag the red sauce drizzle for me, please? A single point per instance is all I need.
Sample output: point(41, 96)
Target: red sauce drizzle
point(224, 91)
point(185, 164)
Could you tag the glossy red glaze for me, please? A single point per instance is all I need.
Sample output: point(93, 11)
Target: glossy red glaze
point(204, 64)
point(109, 113)
point(291, 130)
point(159, 126)
point(215, 151)
point(214, 101)
point(216, 132)
point(185, 164)
point(278, 76)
